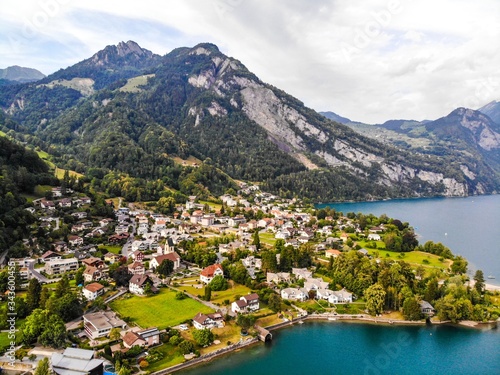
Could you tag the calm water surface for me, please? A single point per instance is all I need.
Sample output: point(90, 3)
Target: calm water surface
point(468, 226)
point(352, 348)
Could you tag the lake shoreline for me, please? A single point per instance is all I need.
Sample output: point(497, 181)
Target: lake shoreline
point(344, 318)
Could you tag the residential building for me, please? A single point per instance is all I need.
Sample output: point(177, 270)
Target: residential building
point(59, 266)
point(144, 338)
point(294, 294)
point(208, 273)
point(426, 308)
point(92, 274)
point(137, 284)
point(100, 323)
point(202, 321)
point(248, 303)
point(136, 268)
point(332, 253)
point(92, 291)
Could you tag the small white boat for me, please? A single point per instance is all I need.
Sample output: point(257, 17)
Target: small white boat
point(491, 277)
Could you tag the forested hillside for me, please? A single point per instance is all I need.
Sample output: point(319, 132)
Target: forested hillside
point(20, 171)
point(128, 112)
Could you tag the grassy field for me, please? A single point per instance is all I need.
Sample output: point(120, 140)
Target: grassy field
point(161, 310)
point(235, 290)
point(414, 258)
point(212, 205)
point(190, 161)
point(133, 84)
point(267, 238)
point(60, 173)
point(115, 249)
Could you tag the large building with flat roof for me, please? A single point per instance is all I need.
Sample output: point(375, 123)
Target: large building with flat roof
point(100, 323)
point(76, 362)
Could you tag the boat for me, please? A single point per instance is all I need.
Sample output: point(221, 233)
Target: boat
point(491, 277)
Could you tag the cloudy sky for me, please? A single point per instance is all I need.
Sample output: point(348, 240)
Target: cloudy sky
point(367, 60)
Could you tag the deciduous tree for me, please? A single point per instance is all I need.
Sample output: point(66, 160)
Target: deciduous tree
point(375, 297)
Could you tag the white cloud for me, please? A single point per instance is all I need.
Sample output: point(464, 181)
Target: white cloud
point(369, 61)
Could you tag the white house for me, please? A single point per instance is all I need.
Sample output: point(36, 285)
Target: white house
point(58, 266)
point(137, 284)
point(202, 321)
point(294, 294)
point(374, 237)
point(92, 291)
point(248, 303)
point(208, 273)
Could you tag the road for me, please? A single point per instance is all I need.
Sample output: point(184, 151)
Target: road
point(38, 275)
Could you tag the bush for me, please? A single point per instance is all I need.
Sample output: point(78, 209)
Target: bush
point(180, 296)
point(175, 340)
point(186, 347)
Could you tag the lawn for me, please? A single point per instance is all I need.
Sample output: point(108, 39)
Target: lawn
point(59, 173)
point(171, 357)
point(212, 205)
point(4, 339)
point(267, 238)
point(133, 84)
point(161, 310)
point(414, 257)
point(235, 290)
point(115, 249)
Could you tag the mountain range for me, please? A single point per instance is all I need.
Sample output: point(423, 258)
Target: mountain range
point(128, 111)
point(17, 74)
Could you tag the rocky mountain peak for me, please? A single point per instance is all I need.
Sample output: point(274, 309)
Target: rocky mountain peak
point(129, 51)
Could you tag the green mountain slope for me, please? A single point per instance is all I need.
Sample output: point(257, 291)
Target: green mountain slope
point(143, 109)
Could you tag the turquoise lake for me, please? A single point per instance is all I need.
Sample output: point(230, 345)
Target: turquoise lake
point(365, 349)
point(469, 227)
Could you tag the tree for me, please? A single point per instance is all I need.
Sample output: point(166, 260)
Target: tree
point(479, 282)
point(203, 337)
point(245, 321)
point(274, 302)
point(121, 276)
point(54, 333)
point(165, 268)
point(44, 297)
point(43, 367)
point(45, 327)
point(375, 298)
point(208, 293)
point(186, 347)
point(269, 261)
point(256, 240)
point(79, 280)
point(411, 309)
point(218, 283)
point(431, 290)
point(62, 287)
point(459, 265)
point(114, 334)
point(238, 273)
point(33, 294)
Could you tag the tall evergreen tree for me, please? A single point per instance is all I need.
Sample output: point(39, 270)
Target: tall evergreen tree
point(33, 294)
point(256, 240)
point(479, 281)
point(62, 287)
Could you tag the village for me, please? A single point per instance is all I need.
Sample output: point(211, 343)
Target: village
point(157, 290)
